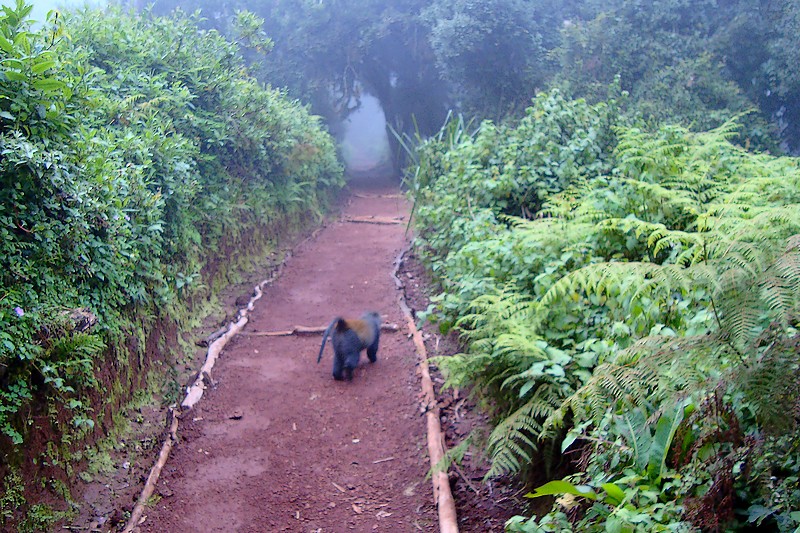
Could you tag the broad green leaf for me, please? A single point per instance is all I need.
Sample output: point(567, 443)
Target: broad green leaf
point(38, 68)
point(14, 63)
point(14, 75)
point(615, 494)
point(666, 427)
point(562, 487)
point(6, 45)
point(571, 437)
point(48, 85)
point(633, 426)
point(757, 513)
point(526, 387)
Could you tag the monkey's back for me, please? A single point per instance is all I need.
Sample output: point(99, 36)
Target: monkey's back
point(347, 342)
point(365, 330)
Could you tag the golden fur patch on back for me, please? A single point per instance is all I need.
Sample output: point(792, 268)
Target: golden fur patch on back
point(363, 329)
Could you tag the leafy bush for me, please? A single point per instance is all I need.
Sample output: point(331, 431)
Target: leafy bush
point(132, 151)
point(509, 169)
point(638, 313)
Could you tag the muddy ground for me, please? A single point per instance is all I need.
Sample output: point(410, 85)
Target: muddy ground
point(277, 445)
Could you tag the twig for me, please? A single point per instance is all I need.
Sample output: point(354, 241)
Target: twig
point(23, 229)
point(211, 338)
point(443, 496)
point(374, 220)
point(307, 330)
point(466, 480)
point(362, 195)
point(383, 460)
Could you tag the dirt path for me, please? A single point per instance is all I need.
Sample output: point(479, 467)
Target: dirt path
point(308, 454)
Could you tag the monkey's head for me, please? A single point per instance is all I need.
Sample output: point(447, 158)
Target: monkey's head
point(373, 316)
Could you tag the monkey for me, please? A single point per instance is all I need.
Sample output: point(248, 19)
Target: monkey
point(349, 337)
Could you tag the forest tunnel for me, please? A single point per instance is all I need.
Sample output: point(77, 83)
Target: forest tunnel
point(364, 141)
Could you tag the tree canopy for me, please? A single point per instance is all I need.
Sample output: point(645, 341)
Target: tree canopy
point(695, 61)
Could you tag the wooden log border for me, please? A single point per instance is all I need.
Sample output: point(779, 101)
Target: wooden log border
point(195, 391)
point(442, 495)
point(193, 394)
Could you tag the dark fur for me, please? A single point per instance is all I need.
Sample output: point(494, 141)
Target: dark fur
point(349, 337)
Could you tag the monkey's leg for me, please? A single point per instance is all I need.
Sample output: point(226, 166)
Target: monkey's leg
point(350, 363)
point(372, 352)
point(338, 365)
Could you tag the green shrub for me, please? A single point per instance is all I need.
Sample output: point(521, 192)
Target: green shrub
point(663, 273)
point(132, 151)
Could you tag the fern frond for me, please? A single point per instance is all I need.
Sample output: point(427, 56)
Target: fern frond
point(513, 441)
point(772, 385)
point(655, 369)
point(453, 455)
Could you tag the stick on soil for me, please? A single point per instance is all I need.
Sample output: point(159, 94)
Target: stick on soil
point(443, 496)
point(308, 330)
point(374, 220)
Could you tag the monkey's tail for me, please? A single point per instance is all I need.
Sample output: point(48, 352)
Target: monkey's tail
point(325, 338)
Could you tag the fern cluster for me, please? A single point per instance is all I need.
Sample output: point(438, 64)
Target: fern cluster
point(670, 279)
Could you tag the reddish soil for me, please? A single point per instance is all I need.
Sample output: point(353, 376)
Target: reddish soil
point(277, 444)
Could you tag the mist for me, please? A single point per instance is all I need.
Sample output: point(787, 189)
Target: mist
point(365, 143)
point(42, 7)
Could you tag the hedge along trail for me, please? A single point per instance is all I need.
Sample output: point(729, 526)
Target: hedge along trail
point(124, 162)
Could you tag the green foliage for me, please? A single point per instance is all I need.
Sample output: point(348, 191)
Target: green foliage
point(510, 169)
point(644, 308)
point(492, 52)
point(783, 48)
point(34, 98)
point(13, 496)
point(40, 517)
point(690, 62)
point(129, 151)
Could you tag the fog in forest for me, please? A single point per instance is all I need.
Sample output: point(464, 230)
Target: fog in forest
point(364, 140)
point(42, 7)
point(690, 62)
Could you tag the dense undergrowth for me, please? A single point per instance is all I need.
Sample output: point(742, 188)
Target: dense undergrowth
point(134, 151)
point(629, 302)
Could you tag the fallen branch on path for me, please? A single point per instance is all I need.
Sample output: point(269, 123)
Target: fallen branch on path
point(374, 220)
point(155, 472)
point(307, 330)
point(443, 496)
point(193, 395)
point(464, 477)
point(364, 195)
